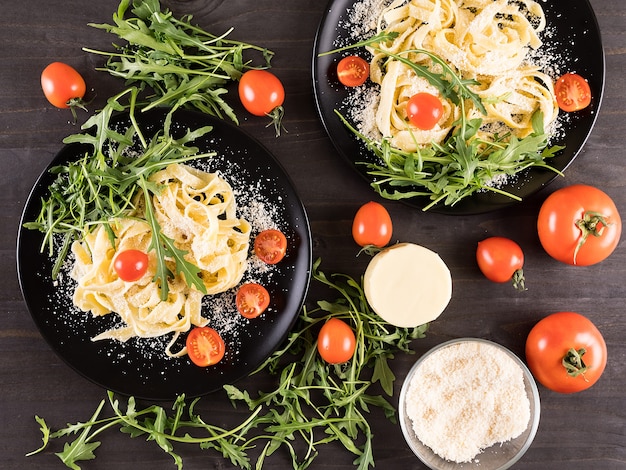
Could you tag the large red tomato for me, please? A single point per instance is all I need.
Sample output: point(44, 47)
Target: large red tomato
point(579, 225)
point(566, 352)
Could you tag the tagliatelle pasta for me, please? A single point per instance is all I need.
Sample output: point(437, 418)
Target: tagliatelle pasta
point(197, 210)
point(484, 40)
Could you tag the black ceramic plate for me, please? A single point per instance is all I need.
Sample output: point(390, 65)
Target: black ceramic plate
point(574, 36)
point(139, 367)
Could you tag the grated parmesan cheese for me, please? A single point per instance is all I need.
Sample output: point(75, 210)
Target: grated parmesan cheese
point(466, 397)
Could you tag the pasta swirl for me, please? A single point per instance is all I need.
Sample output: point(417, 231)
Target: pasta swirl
point(484, 40)
point(197, 210)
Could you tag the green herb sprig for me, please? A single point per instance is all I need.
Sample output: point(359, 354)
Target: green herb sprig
point(104, 184)
point(460, 167)
point(154, 424)
point(181, 64)
point(313, 404)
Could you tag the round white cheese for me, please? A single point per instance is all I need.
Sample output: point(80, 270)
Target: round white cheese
point(407, 285)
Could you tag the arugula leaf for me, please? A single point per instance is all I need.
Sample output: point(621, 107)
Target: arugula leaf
point(459, 167)
point(179, 63)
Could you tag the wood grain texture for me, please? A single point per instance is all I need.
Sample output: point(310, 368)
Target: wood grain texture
point(577, 432)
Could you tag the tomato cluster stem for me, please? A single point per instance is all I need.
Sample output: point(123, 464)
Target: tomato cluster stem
point(573, 362)
point(592, 223)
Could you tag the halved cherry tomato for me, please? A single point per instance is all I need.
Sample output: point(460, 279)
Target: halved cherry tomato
point(372, 225)
point(131, 265)
point(63, 86)
point(572, 92)
point(424, 110)
point(270, 246)
point(501, 260)
point(353, 71)
point(566, 352)
point(579, 225)
point(336, 341)
point(205, 346)
point(252, 300)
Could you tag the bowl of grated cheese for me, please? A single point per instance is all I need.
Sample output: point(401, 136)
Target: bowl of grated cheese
point(469, 403)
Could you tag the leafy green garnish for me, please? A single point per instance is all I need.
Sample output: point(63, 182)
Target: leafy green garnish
point(314, 403)
point(181, 64)
point(460, 167)
point(104, 183)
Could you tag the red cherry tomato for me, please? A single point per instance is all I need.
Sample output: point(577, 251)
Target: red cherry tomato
point(62, 85)
point(270, 246)
point(566, 352)
point(336, 342)
point(131, 265)
point(372, 225)
point(579, 225)
point(572, 92)
point(252, 300)
point(261, 92)
point(501, 260)
point(424, 110)
point(353, 71)
point(205, 346)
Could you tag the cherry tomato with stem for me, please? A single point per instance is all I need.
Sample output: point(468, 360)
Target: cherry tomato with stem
point(572, 92)
point(63, 86)
point(424, 110)
point(579, 225)
point(566, 352)
point(336, 341)
point(131, 265)
point(372, 225)
point(252, 300)
point(270, 246)
point(262, 94)
point(205, 346)
point(353, 71)
point(501, 259)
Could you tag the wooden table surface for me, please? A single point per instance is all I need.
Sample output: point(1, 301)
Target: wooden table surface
point(580, 431)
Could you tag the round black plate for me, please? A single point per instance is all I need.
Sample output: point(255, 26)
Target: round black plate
point(139, 367)
point(575, 37)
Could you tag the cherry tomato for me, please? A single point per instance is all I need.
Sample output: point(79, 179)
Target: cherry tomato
point(205, 346)
point(579, 225)
point(566, 352)
point(372, 225)
point(424, 110)
point(270, 246)
point(261, 92)
point(62, 85)
point(336, 341)
point(352, 71)
point(572, 92)
point(252, 300)
point(501, 260)
point(130, 265)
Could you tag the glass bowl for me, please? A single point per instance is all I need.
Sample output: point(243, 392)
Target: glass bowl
point(497, 457)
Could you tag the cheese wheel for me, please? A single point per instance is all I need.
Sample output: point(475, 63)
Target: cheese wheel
point(407, 285)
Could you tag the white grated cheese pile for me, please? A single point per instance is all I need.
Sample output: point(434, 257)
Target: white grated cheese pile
point(465, 398)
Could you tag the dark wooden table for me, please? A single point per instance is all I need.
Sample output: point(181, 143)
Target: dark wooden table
point(580, 431)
